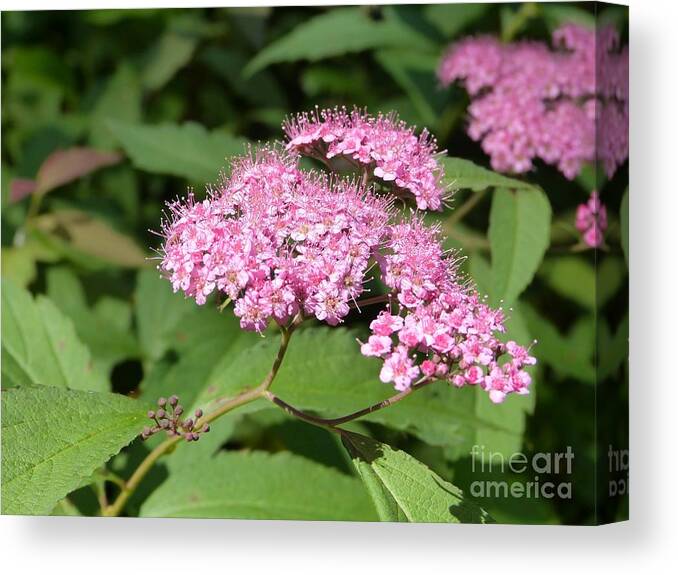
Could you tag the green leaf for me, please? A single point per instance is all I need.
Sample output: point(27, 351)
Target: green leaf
point(40, 347)
point(572, 277)
point(257, 485)
point(451, 19)
point(613, 349)
point(571, 354)
point(261, 89)
point(404, 489)
point(120, 100)
point(54, 439)
point(520, 223)
point(324, 372)
point(172, 51)
point(187, 150)
point(158, 312)
point(336, 32)
point(104, 328)
point(415, 73)
point(624, 219)
point(463, 174)
point(18, 264)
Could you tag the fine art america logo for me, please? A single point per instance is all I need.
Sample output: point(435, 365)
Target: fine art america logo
point(541, 475)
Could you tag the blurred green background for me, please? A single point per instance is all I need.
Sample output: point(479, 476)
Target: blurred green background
point(161, 97)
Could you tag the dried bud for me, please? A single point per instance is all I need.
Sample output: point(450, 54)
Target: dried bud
point(161, 402)
point(179, 410)
point(205, 428)
point(164, 424)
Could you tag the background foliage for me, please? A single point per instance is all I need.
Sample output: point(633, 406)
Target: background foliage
point(97, 133)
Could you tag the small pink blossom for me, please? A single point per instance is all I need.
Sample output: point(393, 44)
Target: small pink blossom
point(591, 221)
point(377, 345)
point(386, 324)
point(399, 369)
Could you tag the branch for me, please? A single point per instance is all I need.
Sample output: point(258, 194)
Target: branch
point(332, 423)
point(130, 486)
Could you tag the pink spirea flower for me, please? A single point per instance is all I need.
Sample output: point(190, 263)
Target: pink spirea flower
point(443, 329)
point(529, 101)
point(386, 146)
point(282, 243)
point(591, 221)
point(275, 240)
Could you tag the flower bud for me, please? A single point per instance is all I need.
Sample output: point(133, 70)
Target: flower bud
point(151, 414)
point(198, 413)
point(173, 401)
point(161, 413)
point(161, 402)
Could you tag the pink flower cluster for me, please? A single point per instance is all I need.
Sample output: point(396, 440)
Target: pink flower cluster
point(529, 101)
point(276, 240)
point(443, 330)
point(286, 244)
point(382, 144)
point(591, 221)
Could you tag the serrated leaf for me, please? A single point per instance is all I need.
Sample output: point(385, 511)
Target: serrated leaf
point(324, 372)
point(404, 489)
point(624, 220)
point(257, 485)
point(519, 232)
point(103, 328)
point(334, 33)
point(187, 150)
point(40, 346)
point(54, 439)
point(158, 313)
point(463, 174)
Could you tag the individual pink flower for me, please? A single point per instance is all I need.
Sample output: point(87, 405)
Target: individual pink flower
point(565, 105)
point(591, 221)
point(383, 145)
point(399, 368)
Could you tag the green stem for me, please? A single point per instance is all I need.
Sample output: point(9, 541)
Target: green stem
point(130, 486)
point(332, 423)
